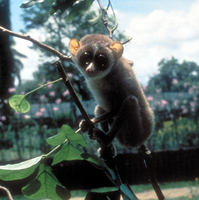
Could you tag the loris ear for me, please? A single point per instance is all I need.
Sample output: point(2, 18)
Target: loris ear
point(117, 49)
point(73, 46)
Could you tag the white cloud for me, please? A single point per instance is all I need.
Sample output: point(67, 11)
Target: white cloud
point(34, 58)
point(163, 34)
point(30, 63)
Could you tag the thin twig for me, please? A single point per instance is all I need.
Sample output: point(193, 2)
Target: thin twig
point(40, 44)
point(104, 19)
point(127, 41)
point(116, 23)
point(7, 191)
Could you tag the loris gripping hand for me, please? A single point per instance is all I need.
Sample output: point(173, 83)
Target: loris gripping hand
point(115, 89)
point(93, 132)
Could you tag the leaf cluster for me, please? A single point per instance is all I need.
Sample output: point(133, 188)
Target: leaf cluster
point(76, 7)
point(179, 134)
point(43, 183)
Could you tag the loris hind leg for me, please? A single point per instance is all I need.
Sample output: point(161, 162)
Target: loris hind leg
point(131, 126)
point(127, 127)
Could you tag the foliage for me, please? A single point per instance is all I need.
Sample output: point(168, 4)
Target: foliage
point(173, 94)
point(19, 103)
point(174, 135)
point(59, 6)
point(44, 184)
point(174, 77)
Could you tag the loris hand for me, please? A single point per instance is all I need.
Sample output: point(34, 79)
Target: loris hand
point(93, 132)
point(85, 125)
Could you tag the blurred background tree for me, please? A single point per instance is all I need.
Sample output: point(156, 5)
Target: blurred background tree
point(10, 67)
point(6, 59)
point(174, 95)
point(174, 77)
point(10, 64)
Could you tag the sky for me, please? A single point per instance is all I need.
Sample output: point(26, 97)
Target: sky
point(161, 29)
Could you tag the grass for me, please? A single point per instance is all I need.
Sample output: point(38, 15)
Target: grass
point(194, 194)
point(138, 189)
point(166, 185)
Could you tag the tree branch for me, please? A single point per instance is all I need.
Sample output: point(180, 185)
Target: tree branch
point(39, 44)
point(147, 157)
point(67, 83)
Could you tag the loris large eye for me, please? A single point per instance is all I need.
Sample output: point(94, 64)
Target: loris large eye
point(101, 61)
point(85, 59)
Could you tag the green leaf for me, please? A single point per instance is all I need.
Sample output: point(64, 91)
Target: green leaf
point(46, 185)
point(73, 137)
point(67, 132)
point(30, 3)
point(79, 8)
point(19, 103)
point(60, 6)
point(67, 152)
point(19, 170)
point(92, 22)
point(127, 192)
point(57, 139)
point(96, 161)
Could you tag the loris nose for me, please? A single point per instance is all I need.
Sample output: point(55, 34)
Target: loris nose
point(90, 70)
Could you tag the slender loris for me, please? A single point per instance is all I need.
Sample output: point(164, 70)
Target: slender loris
point(122, 110)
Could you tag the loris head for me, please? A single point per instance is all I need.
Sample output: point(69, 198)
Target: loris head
point(95, 54)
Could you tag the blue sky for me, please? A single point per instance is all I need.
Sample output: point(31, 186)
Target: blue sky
point(160, 29)
point(132, 7)
point(16, 11)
